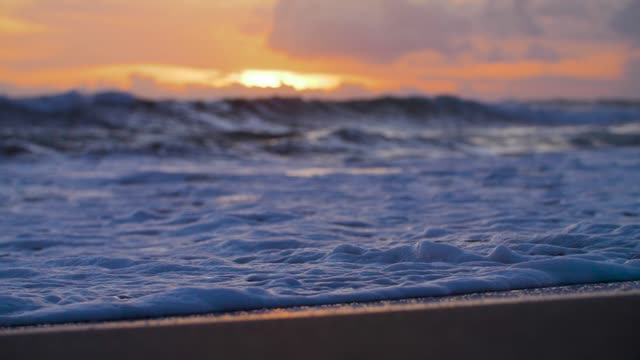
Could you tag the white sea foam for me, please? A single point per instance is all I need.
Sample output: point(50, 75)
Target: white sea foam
point(142, 237)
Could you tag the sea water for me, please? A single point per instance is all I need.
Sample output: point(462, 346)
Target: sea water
point(113, 207)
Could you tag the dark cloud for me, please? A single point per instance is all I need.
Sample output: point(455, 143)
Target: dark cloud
point(540, 52)
point(496, 55)
point(631, 83)
point(375, 30)
point(535, 51)
point(627, 22)
point(513, 17)
point(380, 31)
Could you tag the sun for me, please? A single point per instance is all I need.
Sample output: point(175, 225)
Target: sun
point(276, 79)
point(261, 79)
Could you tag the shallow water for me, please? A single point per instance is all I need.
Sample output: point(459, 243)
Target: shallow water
point(301, 212)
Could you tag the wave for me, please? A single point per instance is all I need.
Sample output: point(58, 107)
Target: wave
point(113, 122)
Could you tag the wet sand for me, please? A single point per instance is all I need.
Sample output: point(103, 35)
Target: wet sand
point(568, 323)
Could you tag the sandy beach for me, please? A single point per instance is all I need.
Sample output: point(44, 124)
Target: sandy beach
point(566, 325)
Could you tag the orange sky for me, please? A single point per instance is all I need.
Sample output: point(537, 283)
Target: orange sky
point(488, 49)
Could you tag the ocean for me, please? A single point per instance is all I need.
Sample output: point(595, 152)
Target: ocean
point(116, 207)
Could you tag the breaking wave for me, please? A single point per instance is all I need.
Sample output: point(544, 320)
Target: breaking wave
point(115, 123)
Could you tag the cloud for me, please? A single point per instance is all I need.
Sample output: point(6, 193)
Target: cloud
point(6, 88)
point(374, 30)
point(10, 25)
point(627, 22)
point(534, 51)
point(540, 52)
point(14, 90)
point(381, 31)
point(513, 17)
point(631, 83)
point(430, 46)
point(103, 32)
point(545, 87)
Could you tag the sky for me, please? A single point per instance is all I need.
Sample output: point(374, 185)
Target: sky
point(484, 49)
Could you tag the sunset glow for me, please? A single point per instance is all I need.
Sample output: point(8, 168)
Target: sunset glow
point(13, 26)
point(484, 49)
point(276, 79)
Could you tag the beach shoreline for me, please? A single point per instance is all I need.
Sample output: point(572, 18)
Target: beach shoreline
point(579, 324)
